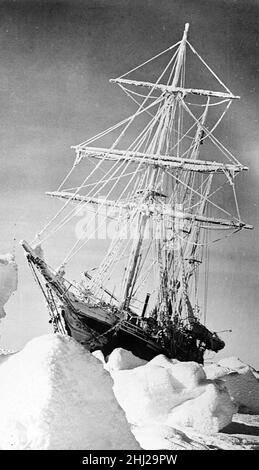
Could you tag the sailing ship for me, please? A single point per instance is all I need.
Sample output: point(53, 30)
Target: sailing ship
point(156, 174)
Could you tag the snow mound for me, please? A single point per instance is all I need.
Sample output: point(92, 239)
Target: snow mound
point(243, 388)
point(163, 361)
point(190, 374)
point(240, 381)
point(8, 280)
point(207, 413)
point(164, 437)
point(172, 393)
point(215, 371)
point(99, 355)
point(56, 395)
point(121, 359)
point(233, 363)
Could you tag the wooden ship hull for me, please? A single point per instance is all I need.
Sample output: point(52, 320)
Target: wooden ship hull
point(100, 335)
point(105, 327)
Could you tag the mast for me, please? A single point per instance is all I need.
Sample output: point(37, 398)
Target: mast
point(134, 259)
point(180, 56)
point(163, 252)
point(142, 219)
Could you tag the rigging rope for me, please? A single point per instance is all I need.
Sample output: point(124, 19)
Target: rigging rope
point(216, 142)
point(206, 65)
point(152, 58)
point(211, 104)
point(212, 241)
point(71, 254)
point(206, 280)
point(196, 192)
point(71, 214)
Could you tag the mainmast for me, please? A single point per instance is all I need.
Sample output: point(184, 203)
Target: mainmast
point(180, 56)
point(163, 253)
point(157, 141)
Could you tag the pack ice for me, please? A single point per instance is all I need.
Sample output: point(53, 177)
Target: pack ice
point(56, 395)
point(8, 280)
point(170, 392)
point(240, 380)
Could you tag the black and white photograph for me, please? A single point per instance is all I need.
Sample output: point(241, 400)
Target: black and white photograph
point(129, 242)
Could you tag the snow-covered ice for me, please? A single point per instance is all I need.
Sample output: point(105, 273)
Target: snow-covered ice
point(122, 359)
point(175, 405)
point(56, 395)
point(240, 380)
point(173, 393)
point(8, 280)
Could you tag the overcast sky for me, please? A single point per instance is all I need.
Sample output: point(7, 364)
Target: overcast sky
point(56, 58)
